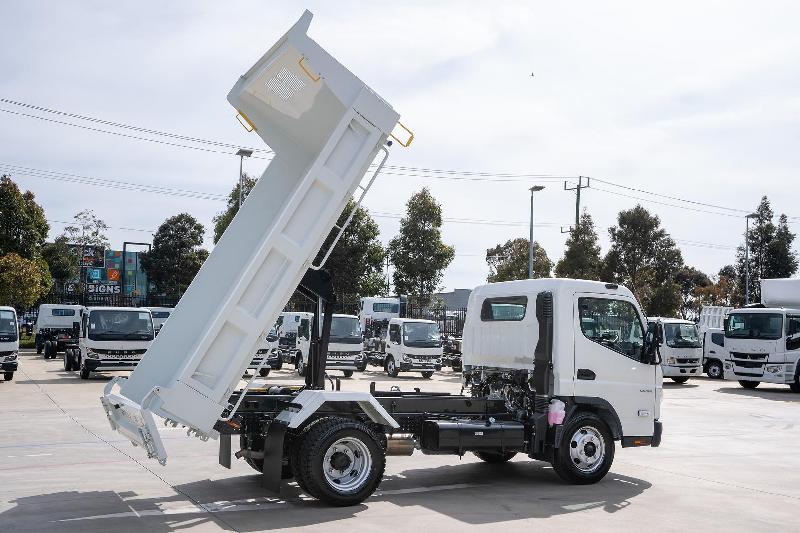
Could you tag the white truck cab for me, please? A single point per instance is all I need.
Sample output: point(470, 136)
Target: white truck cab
point(413, 345)
point(288, 326)
point(714, 352)
point(160, 316)
point(682, 351)
point(375, 313)
point(9, 342)
point(111, 338)
point(55, 328)
point(344, 349)
point(267, 347)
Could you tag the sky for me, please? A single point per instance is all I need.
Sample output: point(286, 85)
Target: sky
point(696, 101)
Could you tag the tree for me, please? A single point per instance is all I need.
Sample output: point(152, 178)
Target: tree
point(645, 259)
point(582, 257)
point(223, 219)
point(690, 280)
point(509, 261)
point(23, 226)
point(781, 260)
point(418, 254)
point(87, 229)
point(723, 292)
point(22, 281)
point(176, 255)
point(61, 259)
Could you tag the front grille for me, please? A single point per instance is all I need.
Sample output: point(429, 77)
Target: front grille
point(424, 357)
point(101, 351)
point(748, 364)
point(342, 355)
point(754, 356)
point(688, 361)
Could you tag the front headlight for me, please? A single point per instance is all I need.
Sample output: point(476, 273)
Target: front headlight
point(670, 360)
point(12, 357)
point(774, 369)
point(406, 357)
point(91, 354)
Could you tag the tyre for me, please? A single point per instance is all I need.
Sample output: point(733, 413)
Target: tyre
point(586, 451)
point(85, 373)
point(428, 374)
point(49, 350)
point(258, 464)
point(495, 457)
point(347, 373)
point(457, 367)
point(714, 370)
point(264, 372)
point(391, 367)
point(280, 364)
point(299, 367)
point(363, 366)
point(795, 387)
point(680, 379)
point(68, 360)
point(339, 461)
point(749, 384)
point(39, 349)
point(8, 376)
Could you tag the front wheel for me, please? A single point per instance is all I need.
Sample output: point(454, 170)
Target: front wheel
point(680, 380)
point(299, 367)
point(339, 461)
point(85, 373)
point(714, 370)
point(67, 360)
point(347, 373)
point(391, 367)
point(795, 386)
point(264, 372)
point(495, 457)
point(280, 364)
point(49, 350)
point(428, 374)
point(586, 451)
point(8, 376)
point(749, 384)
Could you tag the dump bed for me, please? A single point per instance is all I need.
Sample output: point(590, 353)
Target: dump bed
point(782, 292)
point(325, 127)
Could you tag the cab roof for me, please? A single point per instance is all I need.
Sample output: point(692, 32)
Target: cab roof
point(110, 308)
point(532, 287)
point(407, 320)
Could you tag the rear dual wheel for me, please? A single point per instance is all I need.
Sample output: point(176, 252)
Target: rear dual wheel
point(70, 362)
point(49, 350)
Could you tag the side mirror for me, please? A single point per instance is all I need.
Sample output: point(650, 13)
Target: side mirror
point(652, 342)
point(725, 322)
point(76, 330)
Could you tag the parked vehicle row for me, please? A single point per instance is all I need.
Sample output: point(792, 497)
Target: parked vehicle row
point(9, 342)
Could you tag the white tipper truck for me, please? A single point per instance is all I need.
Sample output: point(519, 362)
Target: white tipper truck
point(762, 341)
point(682, 352)
point(539, 385)
point(9, 342)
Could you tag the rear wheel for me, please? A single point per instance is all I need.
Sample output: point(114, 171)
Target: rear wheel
point(264, 372)
point(68, 360)
point(428, 374)
point(85, 373)
point(49, 350)
point(299, 367)
point(8, 376)
point(586, 451)
point(280, 363)
point(391, 367)
point(339, 461)
point(347, 373)
point(749, 384)
point(680, 379)
point(714, 370)
point(495, 457)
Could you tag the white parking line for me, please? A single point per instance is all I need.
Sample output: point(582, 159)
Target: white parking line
point(30, 455)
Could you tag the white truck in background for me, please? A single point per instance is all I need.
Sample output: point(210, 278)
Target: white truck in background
point(682, 351)
point(288, 328)
point(762, 341)
point(711, 322)
point(538, 385)
point(412, 345)
point(110, 339)
point(9, 342)
point(55, 328)
point(160, 316)
point(267, 348)
point(344, 347)
point(374, 315)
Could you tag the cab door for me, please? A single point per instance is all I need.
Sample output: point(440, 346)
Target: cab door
point(609, 335)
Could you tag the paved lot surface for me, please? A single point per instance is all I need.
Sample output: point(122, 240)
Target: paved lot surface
point(729, 461)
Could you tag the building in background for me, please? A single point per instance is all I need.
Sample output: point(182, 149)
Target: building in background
point(457, 299)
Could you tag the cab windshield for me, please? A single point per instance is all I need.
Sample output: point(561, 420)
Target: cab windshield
point(421, 335)
point(681, 336)
point(8, 326)
point(754, 326)
point(345, 330)
point(113, 325)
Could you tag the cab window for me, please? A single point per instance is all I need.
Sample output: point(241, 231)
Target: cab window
point(718, 339)
point(614, 324)
point(793, 332)
point(304, 329)
point(394, 333)
point(504, 309)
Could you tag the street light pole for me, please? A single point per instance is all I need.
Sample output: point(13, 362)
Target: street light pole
point(747, 257)
point(535, 188)
point(242, 153)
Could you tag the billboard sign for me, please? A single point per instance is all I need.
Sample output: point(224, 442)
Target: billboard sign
point(89, 255)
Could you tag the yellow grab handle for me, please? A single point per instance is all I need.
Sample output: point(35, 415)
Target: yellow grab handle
point(249, 126)
point(410, 136)
point(308, 72)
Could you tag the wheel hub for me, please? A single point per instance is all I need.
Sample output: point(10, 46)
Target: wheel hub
point(347, 464)
point(587, 449)
point(340, 461)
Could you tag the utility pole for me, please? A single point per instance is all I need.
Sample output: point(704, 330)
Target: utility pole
point(242, 153)
point(387, 273)
point(535, 188)
point(577, 190)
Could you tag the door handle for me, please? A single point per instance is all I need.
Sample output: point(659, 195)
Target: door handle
point(712, 351)
point(585, 373)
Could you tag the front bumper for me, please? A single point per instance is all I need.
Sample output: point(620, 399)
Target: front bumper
point(675, 371)
point(94, 365)
point(419, 366)
point(9, 367)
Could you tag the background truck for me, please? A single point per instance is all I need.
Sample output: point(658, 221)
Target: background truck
point(538, 386)
point(711, 323)
point(344, 346)
point(56, 328)
point(111, 338)
point(288, 326)
point(267, 348)
point(762, 341)
point(9, 342)
point(451, 352)
point(374, 315)
point(412, 345)
point(682, 352)
point(160, 316)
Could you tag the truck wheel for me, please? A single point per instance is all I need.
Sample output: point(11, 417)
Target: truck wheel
point(264, 372)
point(586, 451)
point(85, 373)
point(279, 365)
point(363, 366)
point(495, 457)
point(749, 384)
point(428, 374)
point(299, 366)
point(680, 379)
point(391, 367)
point(8, 376)
point(795, 387)
point(347, 373)
point(49, 349)
point(714, 370)
point(457, 367)
point(39, 349)
point(67, 360)
point(339, 461)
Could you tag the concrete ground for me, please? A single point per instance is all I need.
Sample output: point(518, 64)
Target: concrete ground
point(728, 461)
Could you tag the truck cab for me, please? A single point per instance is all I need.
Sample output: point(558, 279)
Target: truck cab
point(9, 342)
point(714, 353)
point(413, 345)
point(160, 316)
point(267, 347)
point(374, 315)
point(288, 326)
point(56, 327)
point(344, 347)
point(682, 351)
point(111, 338)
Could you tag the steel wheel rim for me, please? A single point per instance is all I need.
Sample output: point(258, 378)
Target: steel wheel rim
point(714, 371)
point(347, 465)
point(390, 365)
point(587, 449)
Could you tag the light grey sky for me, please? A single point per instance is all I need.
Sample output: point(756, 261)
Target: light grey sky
point(697, 100)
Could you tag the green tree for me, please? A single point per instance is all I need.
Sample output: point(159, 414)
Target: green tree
point(418, 254)
point(223, 219)
point(509, 261)
point(645, 259)
point(356, 261)
point(87, 229)
point(61, 259)
point(23, 226)
point(690, 280)
point(723, 291)
point(582, 258)
point(781, 261)
point(22, 281)
point(176, 255)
